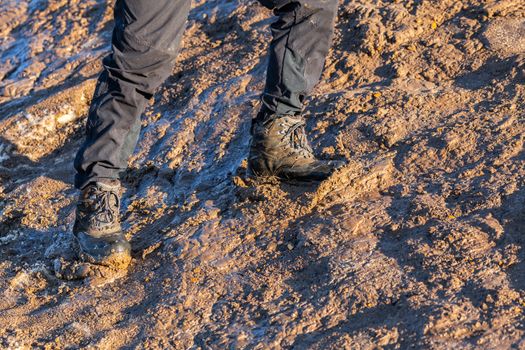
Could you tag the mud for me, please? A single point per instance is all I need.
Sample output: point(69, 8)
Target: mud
point(417, 242)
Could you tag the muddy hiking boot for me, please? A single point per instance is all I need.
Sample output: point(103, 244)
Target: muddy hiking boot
point(280, 148)
point(97, 226)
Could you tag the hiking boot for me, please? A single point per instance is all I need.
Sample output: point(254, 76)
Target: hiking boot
point(280, 148)
point(97, 226)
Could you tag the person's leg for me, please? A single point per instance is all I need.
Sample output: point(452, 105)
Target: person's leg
point(144, 45)
point(302, 37)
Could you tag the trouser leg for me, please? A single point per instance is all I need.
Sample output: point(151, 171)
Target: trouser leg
point(302, 37)
point(144, 46)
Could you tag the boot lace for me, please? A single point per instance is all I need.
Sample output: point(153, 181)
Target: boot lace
point(99, 204)
point(295, 136)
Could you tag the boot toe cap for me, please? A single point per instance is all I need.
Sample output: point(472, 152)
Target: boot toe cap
point(111, 250)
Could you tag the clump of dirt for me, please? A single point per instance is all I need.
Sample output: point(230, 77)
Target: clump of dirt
point(417, 242)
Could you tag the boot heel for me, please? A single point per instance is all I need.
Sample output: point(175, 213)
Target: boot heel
point(258, 168)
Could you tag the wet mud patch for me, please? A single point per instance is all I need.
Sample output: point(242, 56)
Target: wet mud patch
point(417, 242)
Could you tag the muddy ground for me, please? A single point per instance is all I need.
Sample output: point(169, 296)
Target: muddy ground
point(417, 243)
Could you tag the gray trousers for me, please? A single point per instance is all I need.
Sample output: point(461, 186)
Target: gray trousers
point(145, 41)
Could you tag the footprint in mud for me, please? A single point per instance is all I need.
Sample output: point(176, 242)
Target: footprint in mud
point(94, 275)
point(506, 35)
point(354, 179)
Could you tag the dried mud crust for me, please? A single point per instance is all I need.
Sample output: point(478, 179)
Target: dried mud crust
point(417, 242)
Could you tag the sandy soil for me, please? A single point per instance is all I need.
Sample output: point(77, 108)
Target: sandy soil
point(417, 243)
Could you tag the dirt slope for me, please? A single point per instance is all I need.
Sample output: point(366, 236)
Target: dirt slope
point(418, 242)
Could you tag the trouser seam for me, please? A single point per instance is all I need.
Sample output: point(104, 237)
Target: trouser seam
point(287, 47)
point(143, 42)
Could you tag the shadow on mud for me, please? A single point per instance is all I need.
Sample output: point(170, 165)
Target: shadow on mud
point(513, 216)
point(436, 270)
point(18, 169)
point(492, 72)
